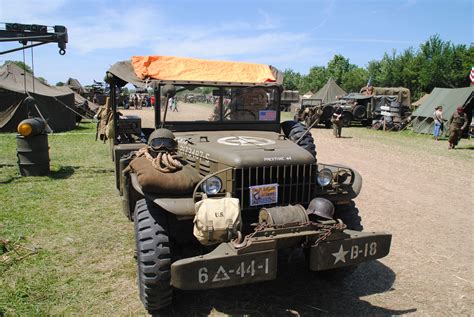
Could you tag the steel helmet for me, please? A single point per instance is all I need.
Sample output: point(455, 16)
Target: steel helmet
point(321, 207)
point(162, 139)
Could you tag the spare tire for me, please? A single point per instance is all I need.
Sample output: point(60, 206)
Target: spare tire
point(359, 112)
point(346, 118)
point(327, 112)
point(294, 131)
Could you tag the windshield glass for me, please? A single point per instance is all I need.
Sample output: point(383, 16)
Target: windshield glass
point(203, 104)
point(221, 104)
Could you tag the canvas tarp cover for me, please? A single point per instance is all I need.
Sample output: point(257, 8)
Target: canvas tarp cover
point(329, 92)
point(193, 69)
point(449, 98)
point(50, 101)
point(356, 96)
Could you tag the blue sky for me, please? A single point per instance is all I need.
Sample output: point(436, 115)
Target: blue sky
point(286, 34)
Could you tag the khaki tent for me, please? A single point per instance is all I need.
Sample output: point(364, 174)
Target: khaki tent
point(51, 103)
point(82, 105)
point(329, 92)
point(307, 95)
point(450, 99)
point(75, 85)
point(420, 101)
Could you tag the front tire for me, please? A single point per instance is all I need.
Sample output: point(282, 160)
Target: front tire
point(153, 255)
point(349, 214)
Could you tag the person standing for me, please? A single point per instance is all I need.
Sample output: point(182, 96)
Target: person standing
point(336, 120)
point(174, 104)
point(457, 124)
point(438, 122)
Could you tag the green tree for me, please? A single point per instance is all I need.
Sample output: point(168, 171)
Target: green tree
point(20, 64)
point(292, 80)
point(355, 79)
point(317, 77)
point(60, 83)
point(338, 66)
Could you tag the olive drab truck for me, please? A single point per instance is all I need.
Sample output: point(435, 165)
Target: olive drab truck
point(217, 189)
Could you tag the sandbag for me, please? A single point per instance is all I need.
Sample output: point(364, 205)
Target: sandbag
point(153, 181)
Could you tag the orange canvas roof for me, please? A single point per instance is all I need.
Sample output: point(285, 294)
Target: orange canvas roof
point(193, 69)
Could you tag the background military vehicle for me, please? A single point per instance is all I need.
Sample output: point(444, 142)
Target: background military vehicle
point(287, 98)
point(312, 111)
point(235, 185)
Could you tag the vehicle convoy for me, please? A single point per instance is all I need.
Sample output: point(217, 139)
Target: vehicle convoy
point(218, 189)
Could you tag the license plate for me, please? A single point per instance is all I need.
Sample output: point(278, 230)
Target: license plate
point(357, 249)
point(263, 194)
point(225, 269)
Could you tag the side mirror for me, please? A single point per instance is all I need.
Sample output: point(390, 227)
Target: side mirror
point(169, 90)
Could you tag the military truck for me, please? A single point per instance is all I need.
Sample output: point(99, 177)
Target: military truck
point(248, 187)
point(376, 104)
point(313, 111)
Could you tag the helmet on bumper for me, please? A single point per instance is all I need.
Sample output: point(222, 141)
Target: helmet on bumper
point(321, 207)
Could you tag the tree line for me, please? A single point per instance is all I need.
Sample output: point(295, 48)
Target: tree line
point(436, 63)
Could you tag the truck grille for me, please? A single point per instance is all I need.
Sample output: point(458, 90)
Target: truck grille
point(296, 183)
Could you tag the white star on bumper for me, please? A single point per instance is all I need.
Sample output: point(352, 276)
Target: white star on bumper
point(340, 255)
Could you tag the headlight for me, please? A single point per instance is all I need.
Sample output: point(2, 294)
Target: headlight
point(324, 177)
point(212, 185)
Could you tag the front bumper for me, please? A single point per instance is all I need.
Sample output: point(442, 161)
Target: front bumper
point(228, 265)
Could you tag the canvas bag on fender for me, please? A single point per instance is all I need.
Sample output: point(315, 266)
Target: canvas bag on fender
point(216, 219)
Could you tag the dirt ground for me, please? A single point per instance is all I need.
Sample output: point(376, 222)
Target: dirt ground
point(413, 188)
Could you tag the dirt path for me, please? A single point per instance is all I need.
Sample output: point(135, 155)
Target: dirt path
point(413, 188)
point(423, 196)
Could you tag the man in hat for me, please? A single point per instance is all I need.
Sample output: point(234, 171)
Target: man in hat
point(457, 124)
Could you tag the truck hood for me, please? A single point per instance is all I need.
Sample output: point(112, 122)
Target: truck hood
point(242, 148)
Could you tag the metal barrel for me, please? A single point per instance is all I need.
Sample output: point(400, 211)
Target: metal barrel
point(33, 155)
point(31, 127)
point(283, 215)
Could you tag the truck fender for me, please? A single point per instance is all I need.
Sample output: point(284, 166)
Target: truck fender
point(356, 185)
point(183, 207)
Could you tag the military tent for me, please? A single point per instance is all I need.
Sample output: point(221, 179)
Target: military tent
point(450, 99)
point(75, 85)
point(329, 92)
point(420, 101)
point(53, 104)
point(83, 106)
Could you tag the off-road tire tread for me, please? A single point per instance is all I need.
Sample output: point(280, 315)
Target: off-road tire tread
point(294, 130)
point(349, 214)
point(153, 256)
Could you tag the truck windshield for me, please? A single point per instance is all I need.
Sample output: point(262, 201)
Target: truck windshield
point(222, 104)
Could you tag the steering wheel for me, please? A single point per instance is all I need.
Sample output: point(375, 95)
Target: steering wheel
point(233, 111)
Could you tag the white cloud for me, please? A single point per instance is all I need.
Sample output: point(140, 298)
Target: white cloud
point(111, 28)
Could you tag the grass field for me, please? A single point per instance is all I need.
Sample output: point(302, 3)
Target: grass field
point(65, 246)
point(71, 244)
